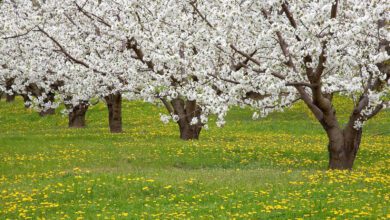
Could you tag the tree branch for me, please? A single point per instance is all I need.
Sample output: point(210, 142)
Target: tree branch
point(193, 4)
point(334, 9)
point(223, 79)
point(133, 44)
point(63, 50)
point(302, 84)
point(20, 35)
point(375, 111)
point(167, 105)
point(290, 17)
point(363, 102)
point(309, 103)
point(89, 15)
point(249, 57)
point(240, 65)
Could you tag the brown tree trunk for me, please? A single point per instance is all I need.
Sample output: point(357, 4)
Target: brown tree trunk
point(343, 148)
point(114, 105)
point(77, 116)
point(8, 86)
point(186, 110)
point(10, 98)
point(189, 132)
point(49, 111)
point(26, 101)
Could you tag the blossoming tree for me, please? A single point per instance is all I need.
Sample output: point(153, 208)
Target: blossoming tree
point(22, 66)
point(312, 50)
point(139, 49)
point(198, 57)
point(165, 57)
point(73, 51)
point(174, 46)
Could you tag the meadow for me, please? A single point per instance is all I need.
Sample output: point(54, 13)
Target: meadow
point(272, 168)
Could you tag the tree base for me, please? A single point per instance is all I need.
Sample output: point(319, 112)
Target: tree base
point(77, 116)
point(114, 106)
point(343, 150)
point(340, 165)
point(9, 98)
point(190, 132)
point(116, 130)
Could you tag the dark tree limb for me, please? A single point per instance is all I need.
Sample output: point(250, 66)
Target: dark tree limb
point(249, 57)
point(302, 84)
point(193, 4)
point(334, 9)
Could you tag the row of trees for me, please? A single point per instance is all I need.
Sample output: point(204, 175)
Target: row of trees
point(200, 57)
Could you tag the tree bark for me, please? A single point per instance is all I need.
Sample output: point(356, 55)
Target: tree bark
point(10, 98)
point(114, 105)
point(189, 132)
point(186, 110)
point(343, 147)
point(77, 116)
point(8, 86)
point(26, 101)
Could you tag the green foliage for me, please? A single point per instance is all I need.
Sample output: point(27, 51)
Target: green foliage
point(271, 168)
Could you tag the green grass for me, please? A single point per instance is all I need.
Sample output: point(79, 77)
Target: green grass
point(273, 168)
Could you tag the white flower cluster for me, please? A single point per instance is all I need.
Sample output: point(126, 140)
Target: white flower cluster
point(219, 53)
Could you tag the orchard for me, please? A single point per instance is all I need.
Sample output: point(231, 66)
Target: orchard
point(286, 91)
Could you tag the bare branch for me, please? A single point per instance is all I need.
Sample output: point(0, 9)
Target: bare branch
point(334, 9)
point(289, 15)
point(240, 65)
point(363, 102)
point(302, 84)
point(167, 105)
point(70, 19)
point(245, 55)
point(133, 44)
point(63, 50)
point(20, 35)
point(309, 102)
point(284, 46)
point(223, 79)
point(376, 111)
point(322, 59)
point(193, 4)
point(91, 15)
point(277, 75)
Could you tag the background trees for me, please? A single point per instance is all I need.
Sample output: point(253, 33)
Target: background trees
point(200, 57)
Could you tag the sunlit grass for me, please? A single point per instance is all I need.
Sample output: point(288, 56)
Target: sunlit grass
point(270, 168)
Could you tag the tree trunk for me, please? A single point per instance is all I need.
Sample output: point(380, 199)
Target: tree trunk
point(8, 86)
point(77, 116)
point(50, 111)
point(10, 98)
point(189, 132)
point(114, 105)
point(186, 110)
point(343, 148)
point(26, 101)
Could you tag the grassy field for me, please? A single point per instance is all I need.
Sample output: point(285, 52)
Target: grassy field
point(273, 168)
